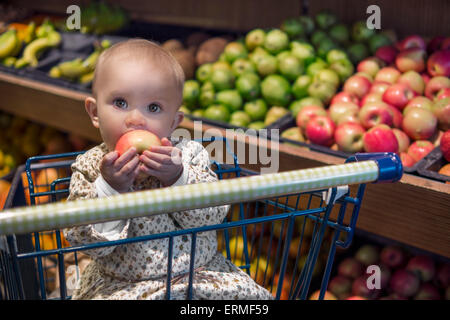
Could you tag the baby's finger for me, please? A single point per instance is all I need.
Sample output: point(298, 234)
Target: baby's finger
point(164, 149)
point(166, 142)
point(109, 158)
point(125, 158)
point(143, 168)
point(128, 168)
point(150, 163)
point(158, 157)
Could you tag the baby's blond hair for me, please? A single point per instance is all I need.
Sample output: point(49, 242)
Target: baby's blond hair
point(141, 48)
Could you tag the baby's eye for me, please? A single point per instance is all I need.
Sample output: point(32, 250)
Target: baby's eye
point(154, 107)
point(120, 103)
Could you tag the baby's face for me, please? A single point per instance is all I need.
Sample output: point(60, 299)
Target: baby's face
point(134, 95)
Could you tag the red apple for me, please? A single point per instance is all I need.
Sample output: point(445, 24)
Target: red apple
point(419, 102)
point(427, 292)
point(320, 130)
point(406, 159)
point(411, 59)
point(307, 113)
point(371, 97)
point(345, 97)
point(357, 85)
point(365, 75)
point(435, 85)
point(348, 117)
point(423, 266)
point(338, 109)
point(419, 124)
point(425, 76)
point(370, 65)
point(445, 145)
point(405, 283)
point(441, 109)
point(379, 87)
point(435, 44)
point(380, 139)
point(398, 95)
point(340, 286)
point(402, 139)
point(385, 276)
point(360, 288)
point(349, 137)
point(140, 139)
point(413, 41)
point(419, 149)
point(387, 54)
point(392, 256)
point(372, 114)
point(442, 278)
point(442, 94)
point(414, 80)
point(350, 268)
point(388, 74)
point(439, 63)
point(397, 117)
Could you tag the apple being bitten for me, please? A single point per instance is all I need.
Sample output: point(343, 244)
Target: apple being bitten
point(398, 95)
point(320, 130)
point(419, 149)
point(349, 137)
point(140, 139)
point(380, 139)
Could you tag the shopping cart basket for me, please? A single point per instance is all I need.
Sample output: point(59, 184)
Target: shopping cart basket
point(283, 229)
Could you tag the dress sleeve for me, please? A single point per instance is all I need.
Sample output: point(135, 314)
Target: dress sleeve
point(81, 187)
point(197, 169)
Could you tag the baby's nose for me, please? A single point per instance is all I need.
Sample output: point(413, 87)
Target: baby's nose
point(135, 119)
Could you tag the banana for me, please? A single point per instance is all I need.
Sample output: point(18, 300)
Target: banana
point(30, 33)
point(8, 42)
point(55, 72)
point(34, 50)
point(90, 62)
point(72, 69)
point(17, 49)
point(9, 61)
point(86, 78)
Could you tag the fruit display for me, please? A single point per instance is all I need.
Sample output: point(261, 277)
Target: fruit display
point(397, 101)
point(79, 70)
point(404, 274)
point(23, 139)
point(306, 60)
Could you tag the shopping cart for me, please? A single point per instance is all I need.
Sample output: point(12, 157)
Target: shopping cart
point(283, 229)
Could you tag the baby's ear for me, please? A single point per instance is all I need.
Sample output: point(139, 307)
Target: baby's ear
point(90, 104)
point(179, 116)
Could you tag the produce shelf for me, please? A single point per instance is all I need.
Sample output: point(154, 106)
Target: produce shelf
point(413, 211)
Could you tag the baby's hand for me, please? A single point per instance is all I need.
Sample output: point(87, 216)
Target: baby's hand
point(120, 172)
point(163, 162)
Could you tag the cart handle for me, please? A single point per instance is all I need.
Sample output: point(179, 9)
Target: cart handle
point(179, 198)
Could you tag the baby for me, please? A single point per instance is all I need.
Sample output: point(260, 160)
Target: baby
point(138, 85)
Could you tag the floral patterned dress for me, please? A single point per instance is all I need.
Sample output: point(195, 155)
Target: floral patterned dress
point(139, 270)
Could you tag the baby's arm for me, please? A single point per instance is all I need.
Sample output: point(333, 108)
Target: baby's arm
point(197, 170)
point(83, 188)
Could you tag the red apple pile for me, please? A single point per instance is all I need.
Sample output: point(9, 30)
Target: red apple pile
point(398, 101)
point(403, 276)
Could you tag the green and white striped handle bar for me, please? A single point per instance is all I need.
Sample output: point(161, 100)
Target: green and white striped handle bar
point(165, 200)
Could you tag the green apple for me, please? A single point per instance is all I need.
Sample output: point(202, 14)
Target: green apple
point(344, 68)
point(340, 33)
point(267, 65)
point(327, 75)
point(325, 46)
point(222, 79)
point(335, 55)
point(315, 67)
point(274, 114)
point(290, 67)
point(378, 40)
point(322, 90)
point(276, 90)
point(317, 37)
point(191, 93)
point(308, 24)
point(207, 97)
point(276, 41)
point(293, 28)
point(256, 125)
point(357, 52)
point(221, 65)
point(199, 113)
point(360, 32)
point(204, 72)
point(294, 133)
point(308, 101)
point(303, 51)
point(257, 55)
point(230, 98)
point(295, 107)
point(254, 39)
point(235, 50)
point(300, 86)
point(241, 66)
point(248, 85)
point(325, 19)
point(217, 112)
point(256, 109)
point(240, 119)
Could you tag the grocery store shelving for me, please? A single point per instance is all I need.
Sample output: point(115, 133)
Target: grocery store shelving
point(413, 211)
